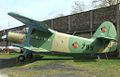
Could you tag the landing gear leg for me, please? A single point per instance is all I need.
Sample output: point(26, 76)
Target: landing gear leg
point(27, 56)
point(106, 56)
point(98, 57)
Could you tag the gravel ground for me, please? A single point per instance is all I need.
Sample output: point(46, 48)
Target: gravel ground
point(3, 75)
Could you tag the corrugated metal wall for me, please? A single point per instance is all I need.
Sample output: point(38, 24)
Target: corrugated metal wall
point(84, 23)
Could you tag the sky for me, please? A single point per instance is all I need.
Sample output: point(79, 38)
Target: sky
point(37, 9)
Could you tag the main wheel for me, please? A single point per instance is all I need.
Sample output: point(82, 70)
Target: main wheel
point(21, 58)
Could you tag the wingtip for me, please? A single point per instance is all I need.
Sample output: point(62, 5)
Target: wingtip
point(9, 13)
point(12, 13)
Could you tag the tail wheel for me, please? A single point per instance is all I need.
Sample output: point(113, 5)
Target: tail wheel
point(21, 58)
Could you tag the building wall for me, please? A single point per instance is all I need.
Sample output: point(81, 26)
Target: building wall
point(84, 22)
point(4, 32)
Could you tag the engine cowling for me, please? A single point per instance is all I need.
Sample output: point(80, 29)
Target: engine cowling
point(16, 37)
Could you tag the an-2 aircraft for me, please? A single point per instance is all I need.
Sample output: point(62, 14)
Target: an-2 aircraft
point(40, 38)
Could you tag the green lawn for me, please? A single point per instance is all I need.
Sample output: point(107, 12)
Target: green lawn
point(7, 56)
point(65, 67)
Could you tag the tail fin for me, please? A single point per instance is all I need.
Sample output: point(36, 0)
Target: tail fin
point(106, 30)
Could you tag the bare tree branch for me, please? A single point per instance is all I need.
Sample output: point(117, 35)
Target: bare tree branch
point(77, 7)
point(103, 3)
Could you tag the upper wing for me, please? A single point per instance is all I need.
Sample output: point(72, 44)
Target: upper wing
point(30, 22)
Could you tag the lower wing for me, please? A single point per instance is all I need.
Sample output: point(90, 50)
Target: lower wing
point(31, 48)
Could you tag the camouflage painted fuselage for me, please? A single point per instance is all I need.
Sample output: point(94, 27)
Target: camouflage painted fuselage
point(65, 43)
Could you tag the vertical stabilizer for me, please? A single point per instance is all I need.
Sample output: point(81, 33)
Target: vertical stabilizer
point(106, 30)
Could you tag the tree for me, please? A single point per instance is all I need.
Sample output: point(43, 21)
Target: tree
point(77, 7)
point(104, 3)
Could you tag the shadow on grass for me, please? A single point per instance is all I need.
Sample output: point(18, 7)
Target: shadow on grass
point(11, 62)
point(76, 59)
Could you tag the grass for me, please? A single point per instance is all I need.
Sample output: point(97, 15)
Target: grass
point(7, 56)
point(103, 68)
point(74, 68)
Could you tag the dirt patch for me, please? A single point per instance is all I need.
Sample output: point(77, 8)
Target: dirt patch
point(57, 65)
point(3, 75)
point(62, 75)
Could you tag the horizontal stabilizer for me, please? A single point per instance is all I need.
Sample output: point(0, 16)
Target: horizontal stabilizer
point(30, 22)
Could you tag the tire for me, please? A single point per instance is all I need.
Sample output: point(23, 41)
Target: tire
point(21, 58)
